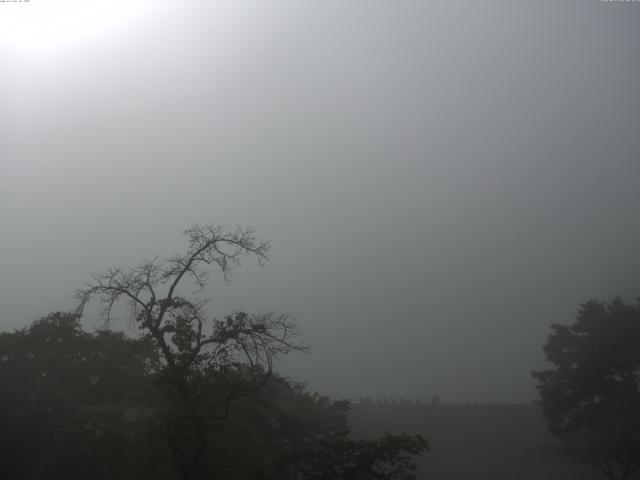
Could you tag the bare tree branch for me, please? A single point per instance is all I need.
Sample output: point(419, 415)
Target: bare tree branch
point(236, 353)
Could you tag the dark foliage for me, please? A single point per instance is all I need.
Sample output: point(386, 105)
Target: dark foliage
point(191, 398)
point(69, 417)
point(55, 377)
point(590, 398)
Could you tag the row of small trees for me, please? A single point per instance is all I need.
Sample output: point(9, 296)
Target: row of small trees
point(433, 403)
point(395, 401)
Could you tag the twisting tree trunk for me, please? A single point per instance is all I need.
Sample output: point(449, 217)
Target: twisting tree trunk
point(193, 348)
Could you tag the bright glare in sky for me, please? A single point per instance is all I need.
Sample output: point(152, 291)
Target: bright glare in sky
point(50, 24)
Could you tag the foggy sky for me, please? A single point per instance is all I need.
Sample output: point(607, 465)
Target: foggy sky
point(441, 181)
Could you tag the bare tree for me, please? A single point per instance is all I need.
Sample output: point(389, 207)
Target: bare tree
point(207, 364)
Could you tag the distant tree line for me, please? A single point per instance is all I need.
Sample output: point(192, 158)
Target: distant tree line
point(434, 402)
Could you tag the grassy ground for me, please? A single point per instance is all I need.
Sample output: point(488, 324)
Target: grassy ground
point(494, 442)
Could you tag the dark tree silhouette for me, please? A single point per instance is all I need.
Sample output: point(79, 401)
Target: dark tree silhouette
point(290, 434)
point(315, 444)
point(189, 398)
point(196, 350)
point(57, 382)
point(590, 398)
point(218, 380)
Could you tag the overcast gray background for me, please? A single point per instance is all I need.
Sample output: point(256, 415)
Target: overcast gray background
point(440, 180)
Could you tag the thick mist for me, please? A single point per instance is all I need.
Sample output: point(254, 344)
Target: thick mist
point(440, 181)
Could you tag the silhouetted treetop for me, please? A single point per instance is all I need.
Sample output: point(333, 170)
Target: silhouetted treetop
point(591, 397)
